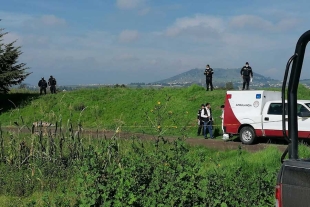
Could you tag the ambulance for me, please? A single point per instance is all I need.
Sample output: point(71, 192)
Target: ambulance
point(258, 113)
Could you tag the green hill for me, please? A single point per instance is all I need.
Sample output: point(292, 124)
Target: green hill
point(157, 111)
point(139, 110)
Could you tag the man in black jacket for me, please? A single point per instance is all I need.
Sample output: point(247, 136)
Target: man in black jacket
point(43, 85)
point(52, 84)
point(200, 122)
point(247, 74)
point(209, 73)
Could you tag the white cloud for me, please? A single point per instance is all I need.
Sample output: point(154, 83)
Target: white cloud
point(127, 36)
point(250, 20)
point(129, 4)
point(199, 26)
point(19, 20)
point(45, 21)
point(256, 22)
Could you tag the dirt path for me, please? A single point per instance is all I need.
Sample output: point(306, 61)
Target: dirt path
point(210, 143)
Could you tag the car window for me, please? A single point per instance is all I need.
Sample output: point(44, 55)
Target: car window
point(300, 109)
point(276, 109)
point(308, 105)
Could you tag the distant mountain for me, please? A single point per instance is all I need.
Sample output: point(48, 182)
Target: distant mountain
point(221, 76)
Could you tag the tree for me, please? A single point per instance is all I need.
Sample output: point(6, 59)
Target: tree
point(11, 72)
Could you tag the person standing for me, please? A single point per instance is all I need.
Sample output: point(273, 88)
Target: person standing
point(207, 121)
point(52, 84)
point(209, 73)
point(247, 74)
point(43, 85)
point(200, 122)
point(225, 136)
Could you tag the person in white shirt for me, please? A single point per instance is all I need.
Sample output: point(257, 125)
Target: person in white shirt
point(206, 117)
point(225, 136)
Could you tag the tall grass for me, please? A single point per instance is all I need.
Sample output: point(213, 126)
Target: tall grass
point(63, 166)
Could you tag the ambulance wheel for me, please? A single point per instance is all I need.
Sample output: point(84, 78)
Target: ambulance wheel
point(247, 135)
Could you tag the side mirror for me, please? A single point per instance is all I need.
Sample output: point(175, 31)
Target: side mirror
point(305, 114)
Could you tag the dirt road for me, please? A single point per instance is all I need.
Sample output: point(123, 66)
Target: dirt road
point(211, 143)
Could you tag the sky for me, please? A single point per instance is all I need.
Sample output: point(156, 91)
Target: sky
point(125, 41)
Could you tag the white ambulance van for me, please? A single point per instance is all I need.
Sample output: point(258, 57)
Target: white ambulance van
point(258, 113)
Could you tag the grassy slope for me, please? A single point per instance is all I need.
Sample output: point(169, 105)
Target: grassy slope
point(136, 110)
point(106, 108)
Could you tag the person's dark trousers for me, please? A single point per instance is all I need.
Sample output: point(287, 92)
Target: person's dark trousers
point(207, 129)
point(53, 89)
point(246, 82)
point(42, 89)
point(200, 127)
point(209, 83)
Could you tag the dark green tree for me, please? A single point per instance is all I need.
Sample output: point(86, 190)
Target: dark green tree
point(11, 71)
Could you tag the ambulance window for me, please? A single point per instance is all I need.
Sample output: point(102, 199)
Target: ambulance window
point(275, 109)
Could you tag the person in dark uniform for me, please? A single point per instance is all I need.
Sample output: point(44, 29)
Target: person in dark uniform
point(200, 122)
point(209, 73)
point(52, 84)
point(43, 85)
point(247, 74)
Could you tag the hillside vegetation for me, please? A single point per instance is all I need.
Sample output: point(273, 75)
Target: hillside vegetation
point(71, 169)
point(128, 109)
point(139, 110)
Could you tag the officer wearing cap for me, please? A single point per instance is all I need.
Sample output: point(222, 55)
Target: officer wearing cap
point(246, 73)
point(200, 122)
point(209, 73)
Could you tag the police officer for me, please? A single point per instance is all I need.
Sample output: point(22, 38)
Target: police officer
point(43, 85)
point(246, 73)
point(52, 84)
point(208, 73)
point(200, 122)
